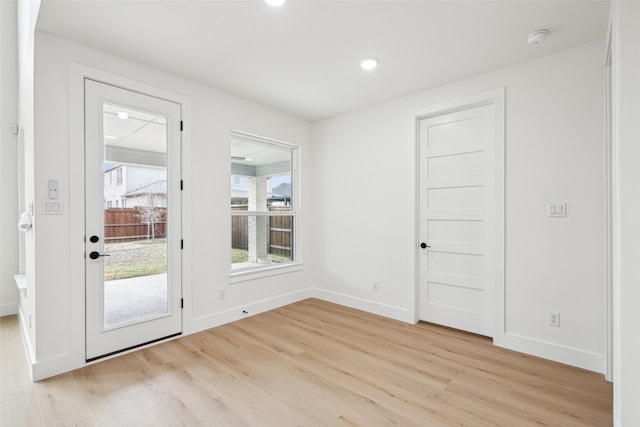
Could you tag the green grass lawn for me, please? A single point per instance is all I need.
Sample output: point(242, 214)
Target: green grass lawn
point(133, 259)
point(239, 255)
point(146, 257)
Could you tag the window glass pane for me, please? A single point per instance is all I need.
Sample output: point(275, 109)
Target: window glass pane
point(260, 174)
point(261, 181)
point(258, 241)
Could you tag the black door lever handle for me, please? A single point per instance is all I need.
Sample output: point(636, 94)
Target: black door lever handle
point(423, 245)
point(96, 255)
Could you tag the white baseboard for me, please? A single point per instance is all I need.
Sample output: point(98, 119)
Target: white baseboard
point(397, 313)
point(571, 356)
point(558, 353)
point(236, 313)
point(47, 368)
point(54, 366)
point(26, 341)
point(8, 309)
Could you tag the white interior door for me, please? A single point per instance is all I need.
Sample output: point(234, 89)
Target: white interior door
point(457, 219)
point(132, 219)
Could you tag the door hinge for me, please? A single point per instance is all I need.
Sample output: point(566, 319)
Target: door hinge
point(181, 185)
point(181, 243)
point(181, 302)
point(181, 125)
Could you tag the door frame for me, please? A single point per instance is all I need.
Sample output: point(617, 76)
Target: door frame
point(76, 205)
point(496, 98)
point(610, 206)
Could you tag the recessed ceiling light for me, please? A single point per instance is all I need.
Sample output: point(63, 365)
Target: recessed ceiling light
point(122, 115)
point(275, 3)
point(369, 64)
point(110, 137)
point(537, 37)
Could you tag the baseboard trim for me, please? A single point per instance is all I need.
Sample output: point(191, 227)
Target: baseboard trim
point(397, 313)
point(203, 323)
point(8, 309)
point(54, 366)
point(558, 353)
point(26, 342)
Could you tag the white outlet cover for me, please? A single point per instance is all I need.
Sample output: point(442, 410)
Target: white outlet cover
point(556, 209)
point(553, 319)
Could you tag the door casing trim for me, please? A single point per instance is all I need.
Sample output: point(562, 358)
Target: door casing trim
point(495, 97)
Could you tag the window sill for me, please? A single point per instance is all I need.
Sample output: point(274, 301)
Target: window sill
point(260, 272)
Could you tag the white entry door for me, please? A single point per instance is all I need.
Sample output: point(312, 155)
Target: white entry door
point(456, 219)
point(133, 219)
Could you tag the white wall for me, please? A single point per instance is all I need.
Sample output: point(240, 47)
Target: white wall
point(364, 170)
point(8, 157)
point(626, 176)
point(207, 248)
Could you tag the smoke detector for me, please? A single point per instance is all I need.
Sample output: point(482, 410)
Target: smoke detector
point(537, 37)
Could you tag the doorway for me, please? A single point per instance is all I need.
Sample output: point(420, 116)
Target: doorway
point(132, 219)
point(460, 257)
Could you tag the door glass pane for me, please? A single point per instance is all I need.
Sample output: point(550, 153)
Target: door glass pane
point(135, 216)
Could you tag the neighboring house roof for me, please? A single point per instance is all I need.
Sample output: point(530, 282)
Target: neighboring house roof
point(110, 166)
point(157, 188)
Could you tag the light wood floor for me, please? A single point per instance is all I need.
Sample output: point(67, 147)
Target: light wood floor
point(308, 364)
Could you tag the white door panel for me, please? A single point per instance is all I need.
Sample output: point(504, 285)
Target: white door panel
point(455, 165)
point(457, 195)
point(461, 298)
point(456, 219)
point(132, 219)
point(456, 231)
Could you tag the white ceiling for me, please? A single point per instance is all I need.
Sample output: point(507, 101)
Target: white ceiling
point(303, 58)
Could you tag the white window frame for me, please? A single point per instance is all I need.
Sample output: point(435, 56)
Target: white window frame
point(256, 272)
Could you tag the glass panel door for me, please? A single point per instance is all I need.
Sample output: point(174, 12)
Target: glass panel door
point(132, 164)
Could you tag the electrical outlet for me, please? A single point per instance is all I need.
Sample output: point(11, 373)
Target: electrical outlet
point(375, 287)
point(557, 209)
point(221, 294)
point(553, 318)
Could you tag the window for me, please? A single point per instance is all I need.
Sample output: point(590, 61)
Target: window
point(119, 176)
point(263, 203)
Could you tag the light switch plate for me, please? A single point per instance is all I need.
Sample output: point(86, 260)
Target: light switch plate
point(557, 209)
point(52, 207)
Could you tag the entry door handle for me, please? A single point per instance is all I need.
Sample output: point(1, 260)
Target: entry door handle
point(96, 255)
point(423, 245)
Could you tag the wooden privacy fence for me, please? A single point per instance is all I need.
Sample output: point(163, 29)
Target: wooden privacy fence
point(123, 225)
point(239, 229)
point(279, 241)
point(278, 238)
